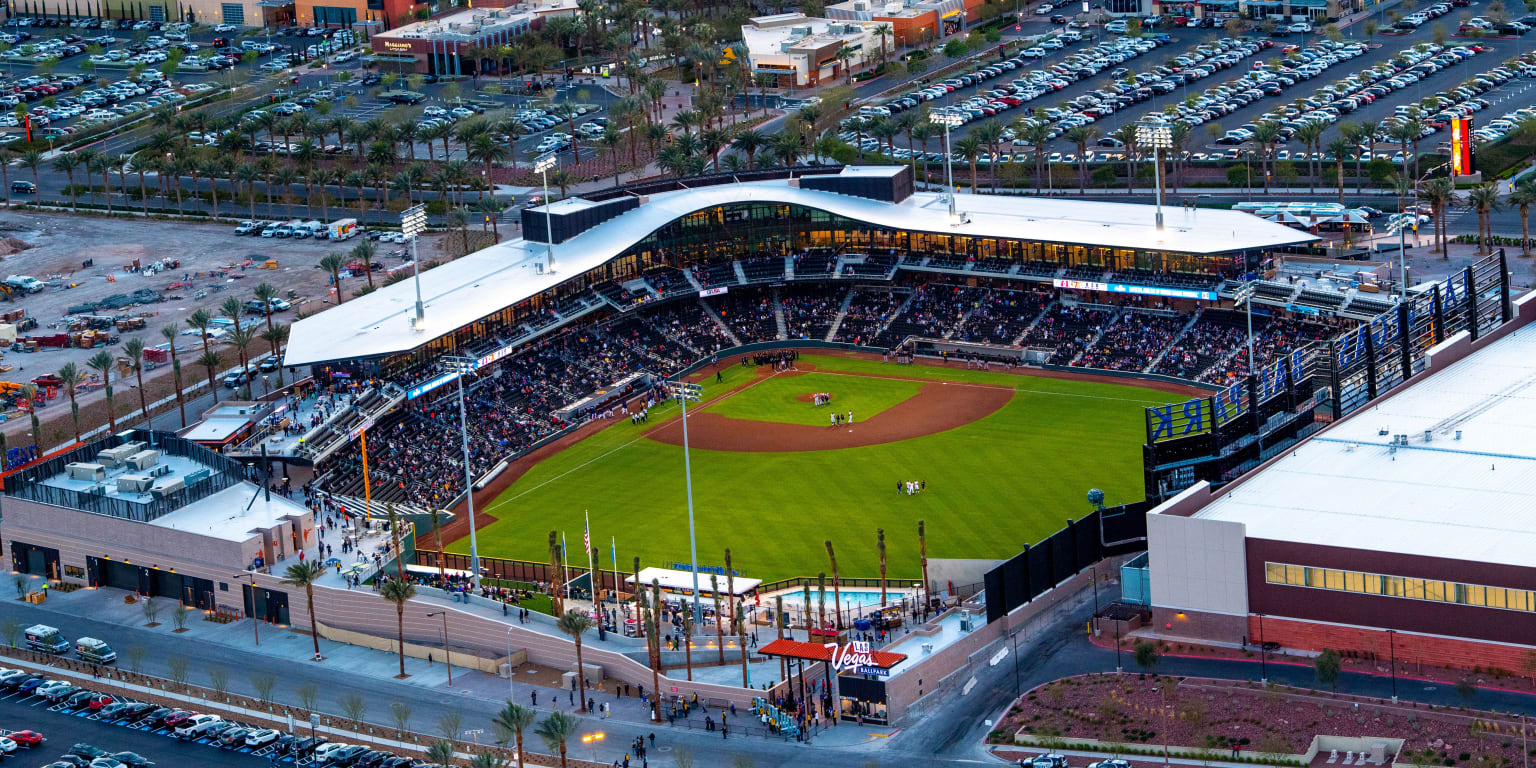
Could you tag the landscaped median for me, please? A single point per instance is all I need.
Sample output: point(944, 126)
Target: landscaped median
point(263, 712)
point(1245, 722)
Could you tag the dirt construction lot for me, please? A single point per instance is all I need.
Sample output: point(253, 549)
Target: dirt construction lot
point(214, 263)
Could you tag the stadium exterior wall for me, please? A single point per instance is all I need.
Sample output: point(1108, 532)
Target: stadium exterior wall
point(1408, 647)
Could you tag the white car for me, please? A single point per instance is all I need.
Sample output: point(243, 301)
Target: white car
point(434, 112)
point(227, 28)
point(323, 750)
point(7, 745)
point(262, 737)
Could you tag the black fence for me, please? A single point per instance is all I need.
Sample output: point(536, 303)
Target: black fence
point(1064, 554)
point(1220, 437)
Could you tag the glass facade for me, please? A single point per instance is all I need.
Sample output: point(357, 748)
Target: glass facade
point(744, 230)
point(1406, 587)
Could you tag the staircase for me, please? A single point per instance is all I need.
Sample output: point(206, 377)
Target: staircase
point(1174, 341)
point(1020, 340)
point(688, 275)
point(949, 334)
point(778, 314)
point(898, 313)
point(789, 267)
point(1095, 340)
point(741, 274)
point(708, 310)
point(842, 312)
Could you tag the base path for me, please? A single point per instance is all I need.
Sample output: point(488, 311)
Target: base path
point(937, 407)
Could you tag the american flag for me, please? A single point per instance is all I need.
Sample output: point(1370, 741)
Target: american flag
point(586, 535)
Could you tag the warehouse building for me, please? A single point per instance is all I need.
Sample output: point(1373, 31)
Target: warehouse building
point(1402, 531)
point(802, 51)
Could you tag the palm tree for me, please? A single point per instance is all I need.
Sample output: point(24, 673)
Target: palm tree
point(459, 217)
point(210, 362)
point(1521, 198)
point(991, 134)
point(97, 163)
point(334, 263)
point(880, 548)
point(1266, 134)
point(1483, 198)
point(1081, 136)
point(201, 320)
point(304, 574)
point(513, 720)
point(441, 752)
point(1037, 135)
point(242, 338)
point(365, 251)
point(1126, 135)
point(837, 588)
point(1440, 193)
point(555, 730)
point(487, 759)
point(491, 209)
point(1340, 147)
point(66, 163)
point(32, 159)
point(399, 592)
point(1310, 135)
point(266, 293)
point(276, 337)
point(134, 350)
point(70, 373)
point(576, 624)
point(247, 174)
point(102, 363)
point(169, 332)
point(970, 148)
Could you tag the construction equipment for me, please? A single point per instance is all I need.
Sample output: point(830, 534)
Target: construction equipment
point(268, 264)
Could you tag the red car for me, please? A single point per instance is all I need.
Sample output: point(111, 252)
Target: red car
point(26, 738)
point(177, 718)
point(97, 702)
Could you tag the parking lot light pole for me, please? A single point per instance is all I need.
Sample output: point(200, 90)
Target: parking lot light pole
point(684, 392)
point(1392, 651)
point(465, 366)
point(542, 166)
point(509, 664)
point(948, 120)
point(447, 654)
point(412, 222)
point(1158, 136)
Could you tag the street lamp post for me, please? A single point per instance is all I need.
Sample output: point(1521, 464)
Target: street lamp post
point(1158, 136)
point(1263, 654)
point(684, 392)
point(412, 223)
point(542, 166)
point(948, 120)
point(448, 654)
point(255, 623)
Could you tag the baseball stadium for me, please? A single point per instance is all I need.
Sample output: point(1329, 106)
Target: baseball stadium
point(866, 357)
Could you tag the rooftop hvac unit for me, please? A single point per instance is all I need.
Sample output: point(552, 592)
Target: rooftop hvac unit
point(1429, 435)
point(143, 460)
point(91, 473)
point(167, 487)
point(158, 470)
point(800, 31)
point(112, 457)
point(892, 8)
point(196, 475)
point(134, 483)
point(861, 5)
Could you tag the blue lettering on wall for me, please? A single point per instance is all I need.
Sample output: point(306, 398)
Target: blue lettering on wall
point(1194, 416)
point(1163, 426)
point(15, 457)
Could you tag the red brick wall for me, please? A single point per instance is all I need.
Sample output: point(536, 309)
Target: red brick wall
point(1410, 648)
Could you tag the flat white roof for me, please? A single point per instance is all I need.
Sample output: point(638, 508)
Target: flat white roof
point(225, 515)
point(682, 581)
point(1468, 499)
point(463, 291)
point(217, 428)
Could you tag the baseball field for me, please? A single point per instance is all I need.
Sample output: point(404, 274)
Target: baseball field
point(1003, 458)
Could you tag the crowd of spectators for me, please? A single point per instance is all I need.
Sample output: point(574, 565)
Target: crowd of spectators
point(1067, 329)
point(1209, 340)
point(934, 310)
point(1271, 338)
point(1001, 316)
point(810, 310)
point(749, 315)
point(1132, 342)
point(867, 312)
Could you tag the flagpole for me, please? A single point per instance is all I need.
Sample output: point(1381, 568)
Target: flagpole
point(586, 543)
point(563, 564)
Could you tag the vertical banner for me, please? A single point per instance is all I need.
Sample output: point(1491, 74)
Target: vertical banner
point(1461, 146)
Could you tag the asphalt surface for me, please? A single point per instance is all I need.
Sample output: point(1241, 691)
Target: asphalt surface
point(1383, 48)
point(63, 731)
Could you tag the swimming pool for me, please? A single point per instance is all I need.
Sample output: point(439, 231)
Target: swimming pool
point(851, 597)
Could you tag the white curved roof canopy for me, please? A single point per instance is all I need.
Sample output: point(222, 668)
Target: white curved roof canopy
point(460, 292)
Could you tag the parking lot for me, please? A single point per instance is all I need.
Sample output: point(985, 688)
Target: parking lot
point(63, 730)
point(1218, 84)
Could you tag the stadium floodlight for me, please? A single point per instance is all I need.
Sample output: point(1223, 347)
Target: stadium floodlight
point(1157, 136)
point(542, 165)
point(948, 120)
point(684, 392)
point(413, 221)
point(465, 366)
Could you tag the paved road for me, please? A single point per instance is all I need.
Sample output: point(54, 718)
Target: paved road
point(64, 730)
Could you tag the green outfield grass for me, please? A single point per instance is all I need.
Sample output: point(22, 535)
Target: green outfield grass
point(993, 485)
point(778, 400)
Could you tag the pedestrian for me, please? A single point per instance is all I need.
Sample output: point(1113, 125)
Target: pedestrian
point(850, 417)
point(535, 695)
point(832, 419)
point(653, 739)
